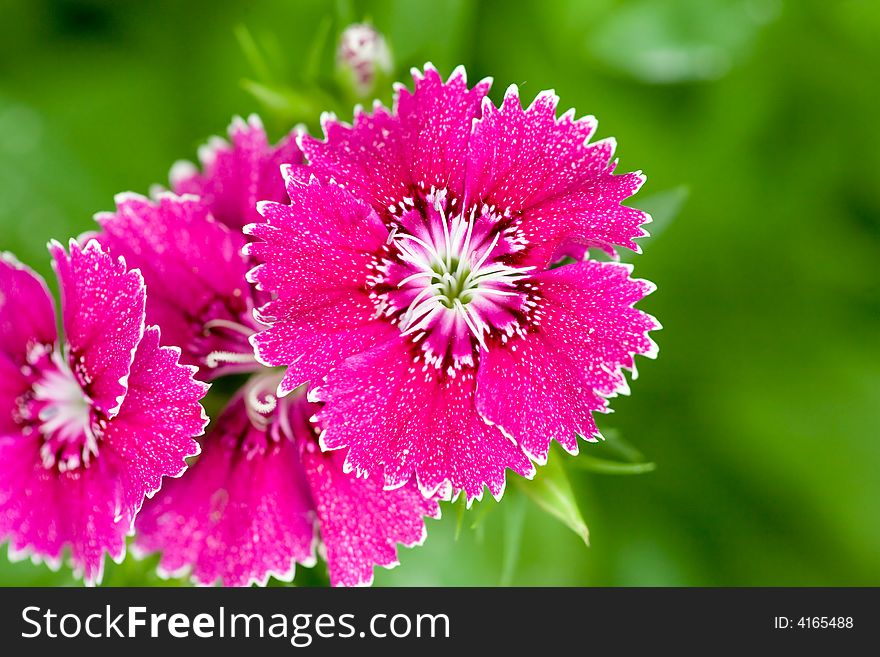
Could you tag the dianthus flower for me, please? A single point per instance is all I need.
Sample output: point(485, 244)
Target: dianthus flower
point(262, 492)
point(91, 424)
point(238, 172)
point(413, 288)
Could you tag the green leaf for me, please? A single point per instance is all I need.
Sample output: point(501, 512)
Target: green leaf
point(252, 53)
point(483, 508)
point(289, 105)
point(552, 491)
point(604, 466)
point(663, 207)
point(344, 12)
point(317, 50)
point(461, 507)
point(628, 461)
point(514, 522)
point(615, 444)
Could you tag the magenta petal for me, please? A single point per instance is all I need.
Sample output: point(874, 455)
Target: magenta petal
point(155, 430)
point(401, 418)
point(28, 500)
point(361, 523)
point(561, 374)
point(317, 252)
point(313, 343)
point(85, 505)
point(325, 239)
point(27, 313)
point(589, 313)
point(238, 173)
point(192, 265)
point(530, 162)
point(437, 120)
point(383, 156)
point(234, 517)
point(27, 322)
point(368, 155)
point(536, 394)
point(103, 309)
point(43, 511)
point(589, 217)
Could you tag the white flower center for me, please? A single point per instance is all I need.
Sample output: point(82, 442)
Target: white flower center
point(453, 273)
point(448, 279)
point(65, 418)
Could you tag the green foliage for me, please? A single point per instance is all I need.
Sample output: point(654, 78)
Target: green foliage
point(552, 491)
point(663, 208)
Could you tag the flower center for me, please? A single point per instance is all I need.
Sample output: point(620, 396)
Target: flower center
point(449, 281)
point(63, 415)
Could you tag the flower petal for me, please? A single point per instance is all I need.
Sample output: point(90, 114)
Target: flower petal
point(103, 309)
point(193, 268)
point(317, 254)
point(238, 173)
point(155, 430)
point(43, 511)
point(27, 321)
point(437, 119)
point(360, 522)
point(589, 331)
point(27, 313)
point(383, 156)
point(325, 238)
point(311, 344)
point(532, 163)
point(404, 419)
point(235, 517)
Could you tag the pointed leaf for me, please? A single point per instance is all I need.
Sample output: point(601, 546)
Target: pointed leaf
point(514, 522)
point(552, 491)
point(461, 507)
point(664, 208)
point(317, 50)
point(615, 444)
point(483, 508)
point(252, 54)
point(604, 466)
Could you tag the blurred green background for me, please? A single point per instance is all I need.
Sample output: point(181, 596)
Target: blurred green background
point(757, 120)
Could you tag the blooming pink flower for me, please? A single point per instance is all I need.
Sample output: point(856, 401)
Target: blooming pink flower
point(195, 271)
point(262, 491)
point(188, 245)
point(238, 173)
point(413, 290)
point(93, 424)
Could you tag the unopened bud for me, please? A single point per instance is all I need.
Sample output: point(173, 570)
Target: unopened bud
point(363, 56)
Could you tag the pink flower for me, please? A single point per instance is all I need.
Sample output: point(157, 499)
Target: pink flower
point(195, 272)
point(262, 493)
point(188, 245)
point(238, 173)
point(413, 290)
point(93, 424)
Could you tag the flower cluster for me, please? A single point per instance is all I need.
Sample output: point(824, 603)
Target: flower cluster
point(403, 310)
